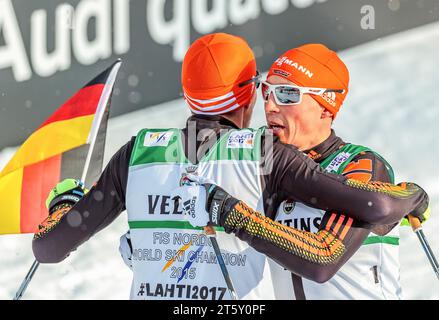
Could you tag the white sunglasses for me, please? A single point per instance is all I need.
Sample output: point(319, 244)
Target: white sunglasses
point(290, 95)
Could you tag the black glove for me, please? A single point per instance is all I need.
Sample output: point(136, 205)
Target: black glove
point(67, 192)
point(219, 203)
point(422, 211)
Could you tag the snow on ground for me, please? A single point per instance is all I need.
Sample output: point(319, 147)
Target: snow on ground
point(392, 107)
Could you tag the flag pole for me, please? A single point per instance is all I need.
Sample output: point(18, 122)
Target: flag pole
point(102, 105)
point(36, 264)
point(93, 135)
point(26, 280)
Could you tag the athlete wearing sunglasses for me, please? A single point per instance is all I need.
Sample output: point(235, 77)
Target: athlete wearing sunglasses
point(307, 123)
point(373, 271)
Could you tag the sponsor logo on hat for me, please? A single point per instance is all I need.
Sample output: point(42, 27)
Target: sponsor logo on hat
point(330, 97)
point(284, 60)
point(241, 140)
point(157, 139)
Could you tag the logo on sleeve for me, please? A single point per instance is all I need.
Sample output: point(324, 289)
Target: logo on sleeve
point(338, 161)
point(241, 140)
point(215, 209)
point(157, 139)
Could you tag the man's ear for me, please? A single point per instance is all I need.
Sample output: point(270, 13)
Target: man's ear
point(326, 114)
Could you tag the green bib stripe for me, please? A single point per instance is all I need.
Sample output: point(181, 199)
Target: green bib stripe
point(346, 155)
point(382, 239)
point(166, 225)
point(173, 150)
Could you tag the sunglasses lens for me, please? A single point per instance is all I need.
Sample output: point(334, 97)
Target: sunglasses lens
point(288, 95)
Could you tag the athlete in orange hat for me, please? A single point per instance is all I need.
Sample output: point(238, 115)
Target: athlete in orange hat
point(304, 92)
point(219, 77)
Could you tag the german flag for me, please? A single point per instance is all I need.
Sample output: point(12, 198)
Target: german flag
point(62, 147)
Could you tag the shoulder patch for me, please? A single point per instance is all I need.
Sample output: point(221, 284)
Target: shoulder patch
point(364, 165)
point(157, 139)
point(338, 161)
point(244, 139)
